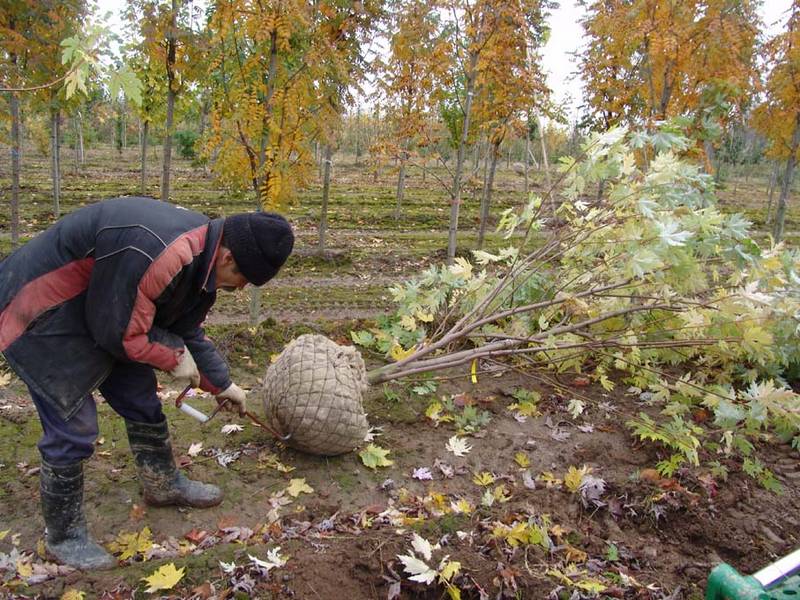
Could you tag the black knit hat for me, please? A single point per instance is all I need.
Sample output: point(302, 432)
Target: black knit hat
point(260, 243)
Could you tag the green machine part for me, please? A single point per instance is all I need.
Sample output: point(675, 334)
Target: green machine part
point(780, 580)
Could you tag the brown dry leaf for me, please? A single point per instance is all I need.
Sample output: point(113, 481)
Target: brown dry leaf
point(137, 512)
point(204, 591)
point(196, 536)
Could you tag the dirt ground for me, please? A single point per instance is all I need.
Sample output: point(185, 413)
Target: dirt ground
point(643, 537)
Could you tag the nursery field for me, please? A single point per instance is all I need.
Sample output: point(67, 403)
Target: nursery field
point(509, 510)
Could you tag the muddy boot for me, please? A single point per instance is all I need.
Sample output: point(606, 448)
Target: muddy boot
point(67, 538)
point(162, 483)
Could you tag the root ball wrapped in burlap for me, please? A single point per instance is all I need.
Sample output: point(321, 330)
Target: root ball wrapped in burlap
point(313, 391)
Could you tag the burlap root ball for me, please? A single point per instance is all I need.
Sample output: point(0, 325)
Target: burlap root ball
point(313, 391)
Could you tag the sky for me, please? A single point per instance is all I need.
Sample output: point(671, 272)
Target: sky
point(566, 38)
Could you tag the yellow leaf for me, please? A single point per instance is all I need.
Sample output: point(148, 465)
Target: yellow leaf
point(41, 551)
point(522, 460)
point(483, 479)
point(5, 379)
point(549, 479)
point(407, 322)
point(453, 592)
point(24, 569)
point(374, 456)
point(574, 477)
point(4, 533)
point(71, 594)
point(450, 570)
point(299, 486)
point(474, 371)
point(165, 578)
point(398, 354)
point(129, 545)
point(423, 316)
point(501, 493)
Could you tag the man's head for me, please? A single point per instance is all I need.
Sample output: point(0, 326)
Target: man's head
point(254, 247)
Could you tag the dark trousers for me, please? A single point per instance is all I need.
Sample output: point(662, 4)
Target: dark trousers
point(130, 390)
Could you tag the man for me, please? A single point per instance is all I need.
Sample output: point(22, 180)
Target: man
point(101, 299)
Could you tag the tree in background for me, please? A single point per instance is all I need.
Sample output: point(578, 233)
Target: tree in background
point(648, 60)
point(408, 82)
point(511, 83)
point(30, 36)
point(778, 117)
point(166, 53)
point(269, 66)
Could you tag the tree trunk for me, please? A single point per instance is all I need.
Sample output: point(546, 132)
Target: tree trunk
point(788, 175)
point(358, 135)
point(527, 150)
point(81, 155)
point(55, 167)
point(455, 201)
point(486, 199)
point(78, 124)
point(326, 187)
point(546, 165)
point(170, 103)
point(15, 148)
point(401, 185)
point(143, 168)
point(773, 182)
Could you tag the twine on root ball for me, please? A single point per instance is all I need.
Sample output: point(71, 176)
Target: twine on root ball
point(313, 391)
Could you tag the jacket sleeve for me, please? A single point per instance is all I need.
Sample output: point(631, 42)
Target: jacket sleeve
point(214, 374)
point(121, 299)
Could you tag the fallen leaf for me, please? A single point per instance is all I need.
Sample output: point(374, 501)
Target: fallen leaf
point(299, 486)
point(483, 479)
point(231, 428)
point(458, 446)
point(137, 512)
point(5, 379)
point(422, 473)
point(71, 594)
point(274, 559)
point(522, 460)
point(128, 545)
point(421, 546)
point(195, 449)
point(580, 381)
point(164, 578)
point(196, 535)
point(374, 456)
point(418, 570)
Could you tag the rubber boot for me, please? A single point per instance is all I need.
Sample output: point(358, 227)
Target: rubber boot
point(67, 538)
point(162, 483)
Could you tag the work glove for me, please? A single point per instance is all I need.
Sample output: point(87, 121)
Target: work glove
point(236, 395)
point(187, 369)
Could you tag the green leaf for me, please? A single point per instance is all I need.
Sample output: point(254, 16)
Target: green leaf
point(374, 456)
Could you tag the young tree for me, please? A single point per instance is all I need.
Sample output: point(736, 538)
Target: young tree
point(778, 117)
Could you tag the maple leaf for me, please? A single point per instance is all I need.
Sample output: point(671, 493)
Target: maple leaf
point(574, 476)
point(128, 545)
point(483, 479)
point(462, 506)
point(418, 570)
point(195, 449)
point(274, 559)
point(164, 578)
point(299, 486)
point(422, 473)
point(231, 428)
point(227, 567)
point(522, 460)
point(422, 546)
point(374, 456)
point(448, 569)
point(458, 446)
point(71, 594)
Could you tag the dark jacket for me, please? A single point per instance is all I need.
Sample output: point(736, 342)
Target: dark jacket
point(127, 279)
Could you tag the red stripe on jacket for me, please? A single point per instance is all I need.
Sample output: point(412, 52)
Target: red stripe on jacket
point(159, 274)
point(40, 295)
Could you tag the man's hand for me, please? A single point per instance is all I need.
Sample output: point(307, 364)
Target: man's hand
point(187, 369)
point(236, 395)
